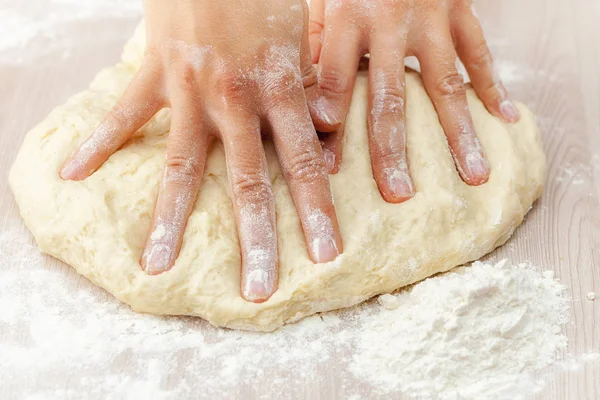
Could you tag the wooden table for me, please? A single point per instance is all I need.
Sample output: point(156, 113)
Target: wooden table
point(547, 51)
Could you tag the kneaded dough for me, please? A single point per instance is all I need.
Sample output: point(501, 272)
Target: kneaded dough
point(99, 226)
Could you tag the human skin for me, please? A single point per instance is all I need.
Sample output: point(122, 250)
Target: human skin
point(229, 70)
point(234, 70)
point(437, 32)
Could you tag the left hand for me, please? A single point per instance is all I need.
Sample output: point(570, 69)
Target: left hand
point(437, 32)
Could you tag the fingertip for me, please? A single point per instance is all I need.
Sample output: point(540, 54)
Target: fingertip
point(332, 150)
point(475, 180)
point(509, 111)
point(72, 170)
point(330, 161)
point(398, 187)
point(326, 116)
point(324, 250)
point(156, 258)
point(257, 287)
point(67, 171)
point(322, 234)
point(476, 171)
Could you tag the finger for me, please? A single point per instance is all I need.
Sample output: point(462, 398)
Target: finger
point(386, 120)
point(445, 87)
point(337, 71)
point(322, 112)
point(139, 103)
point(254, 206)
point(475, 55)
point(186, 157)
point(303, 166)
point(337, 68)
point(331, 143)
point(315, 28)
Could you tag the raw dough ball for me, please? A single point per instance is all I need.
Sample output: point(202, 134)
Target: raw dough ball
point(99, 225)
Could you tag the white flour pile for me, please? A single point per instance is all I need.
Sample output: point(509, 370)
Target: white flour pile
point(468, 334)
point(476, 333)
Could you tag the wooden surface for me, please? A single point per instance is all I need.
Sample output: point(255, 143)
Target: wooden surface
point(548, 51)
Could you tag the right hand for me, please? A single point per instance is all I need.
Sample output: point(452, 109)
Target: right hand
point(436, 32)
point(228, 70)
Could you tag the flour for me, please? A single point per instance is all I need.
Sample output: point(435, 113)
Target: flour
point(468, 334)
point(61, 337)
point(574, 174)
point(478, 332)
point(45, 30)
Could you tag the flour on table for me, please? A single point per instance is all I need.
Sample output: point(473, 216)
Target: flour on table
point(42, 31)
point(478, 332)
point(468, 334)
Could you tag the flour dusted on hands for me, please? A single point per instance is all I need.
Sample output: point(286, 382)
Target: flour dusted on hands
point(474, 333)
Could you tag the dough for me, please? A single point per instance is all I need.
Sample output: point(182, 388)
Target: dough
point(99, 225)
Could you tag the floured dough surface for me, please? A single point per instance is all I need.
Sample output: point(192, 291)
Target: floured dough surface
point(99, 226)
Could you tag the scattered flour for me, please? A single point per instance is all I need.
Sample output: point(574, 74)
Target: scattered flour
point(573, 174)
point(478, 332)
point(44, 29)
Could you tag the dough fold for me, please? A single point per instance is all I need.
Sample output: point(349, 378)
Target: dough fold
point(99, 226)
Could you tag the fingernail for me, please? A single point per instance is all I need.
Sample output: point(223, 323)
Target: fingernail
point(157, 260)
point(326, 111)
point(400, 184)
point(509, 111)
point(70, 170)
point(325, 249)
point(329, 157)
point(477, 167)
point(257, 286)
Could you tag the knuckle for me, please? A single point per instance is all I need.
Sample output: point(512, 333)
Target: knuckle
point(305, 167)
point(229, 86)
point(315, 27)
point(333, 81)
point(492, 91)
point(450, 85)
point(282, 87)
point(184, 78)
point(309, 76)
point(461, 4)
point(253, 187)
point(388, 98)
point(186, 74)
point(182, 169)
point(482, 57)
point(430, 6)
point(119, 114)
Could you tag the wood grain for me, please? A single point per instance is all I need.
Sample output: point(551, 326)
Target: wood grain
point(555, 46)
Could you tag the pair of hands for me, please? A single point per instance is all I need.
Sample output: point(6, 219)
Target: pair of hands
point(235, 69)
